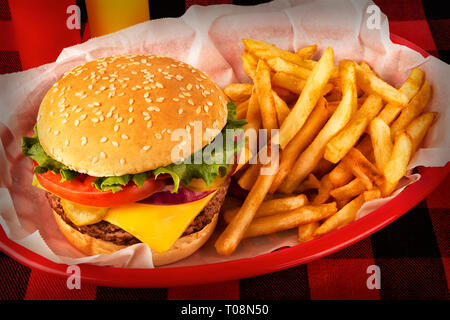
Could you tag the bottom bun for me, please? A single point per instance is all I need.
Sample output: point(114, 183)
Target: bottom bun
point(182, 248)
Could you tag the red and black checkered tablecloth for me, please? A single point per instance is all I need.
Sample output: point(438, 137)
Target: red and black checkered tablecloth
point(413, 253)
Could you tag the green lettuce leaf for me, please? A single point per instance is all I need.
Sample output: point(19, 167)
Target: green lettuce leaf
point(31, 147)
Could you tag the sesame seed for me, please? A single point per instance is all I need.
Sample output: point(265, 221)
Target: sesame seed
point(189, 86)
point(56, 132)
point(77, 122)
point(120, 119)
point(66, 143)
point(103, 139)
point(149, 124)
point(130, 109)
point(131, 101)
point(160, 99)
point(83, 141)
point(145, 148)
point(95, 120)
point(180, 111)
point(64, 121)
point(103, 155)
point(94, 160)
point(209, 103)
point(122, 161)
point(205, 107)
point(114, 143)
point(199, 109)
point(158, 136)
point(190, 102)
point(116, 128)
point(159, 85)
point(146, 94)
point(130, 121)
point(124, 136)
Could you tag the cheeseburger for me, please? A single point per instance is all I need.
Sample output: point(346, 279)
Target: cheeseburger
point(114, 150)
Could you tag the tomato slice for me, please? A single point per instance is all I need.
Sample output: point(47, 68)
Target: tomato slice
point(81, 190)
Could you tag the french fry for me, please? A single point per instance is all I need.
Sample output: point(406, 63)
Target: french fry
point(243, 158)
point(287, 96)
point(288, 81)
point(304, 137)
point(418, 128)
point(249, 63)
point(347, 214)
point(265, 51)
point(253, 114)
point(280, 65)
point(323, 167)
point(241, 109)
point(362, 168)
point(338, 147)
point(289, 219)
point(412, 110)
point(305, 231)
point(247, 180)
point(395, 168)
point(265, 97)
point(333, 126)
point(348, 191)
point(234, 232)
point(324, 190)
point(340, 175)
point(311, 183)
point(380, 135)
point(272, 206)
point(308, 98)
point(372, 84)
point(409, 88)
point(238, 92)
point(281, 108)
point(347, 78)
point(314, 152)
point(307, 52)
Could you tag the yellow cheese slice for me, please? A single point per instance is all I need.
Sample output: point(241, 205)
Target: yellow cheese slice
point(158, 226)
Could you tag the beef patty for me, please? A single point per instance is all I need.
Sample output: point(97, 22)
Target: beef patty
point(109, 232)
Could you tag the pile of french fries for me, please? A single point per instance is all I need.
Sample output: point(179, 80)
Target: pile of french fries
point(346, 137)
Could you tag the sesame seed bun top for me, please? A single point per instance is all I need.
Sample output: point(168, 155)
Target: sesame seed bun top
point(116, 115)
